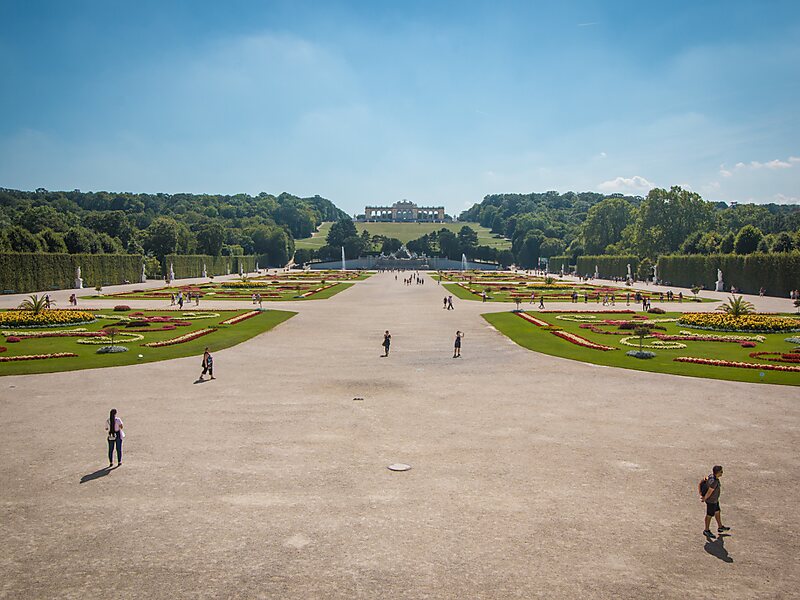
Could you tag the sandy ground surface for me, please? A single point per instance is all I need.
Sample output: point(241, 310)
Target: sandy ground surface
point(532, 476)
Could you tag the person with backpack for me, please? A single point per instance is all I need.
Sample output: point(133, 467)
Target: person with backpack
point(115, 435)
point(387, 341)
point(208, 365)
point(710, 488)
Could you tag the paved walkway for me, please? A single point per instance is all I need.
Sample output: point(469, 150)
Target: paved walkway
point(532, 475)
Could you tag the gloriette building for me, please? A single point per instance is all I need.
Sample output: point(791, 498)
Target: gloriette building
point(404, 212)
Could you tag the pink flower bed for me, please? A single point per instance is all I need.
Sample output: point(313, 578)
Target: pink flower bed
point(534, 320)
point(580, 341)
point(167, 327)
point(3, 348)
point(49, 334)
point(728, 363)
point(37, 356)
point(187, 337)
point(624, 311)
point(240, 318)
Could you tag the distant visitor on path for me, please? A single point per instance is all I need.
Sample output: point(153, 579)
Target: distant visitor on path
point(208, 365)
point(457, 345)
point(710, 488)
point(450, 303)
point(115, 436)
point(387, 341)
point(445, 303)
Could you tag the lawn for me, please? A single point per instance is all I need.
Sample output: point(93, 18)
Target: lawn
point(405, 232)
point(270, 289)
point(224, 336)
point(542, 340)
point(508, 291)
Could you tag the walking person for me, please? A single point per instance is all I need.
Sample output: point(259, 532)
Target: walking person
point(115, 435)
point(457, 345)
point(445, 303)
point(710, 497)
point(450, 303)
point(207, 364)
point(387, 341)
point(541, 302)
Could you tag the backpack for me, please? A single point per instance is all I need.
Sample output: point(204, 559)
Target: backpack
point(702, 487)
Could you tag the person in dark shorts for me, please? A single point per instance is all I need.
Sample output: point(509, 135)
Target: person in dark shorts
point(207, 364)
point(711, 500)
point(387, 341)
point(457, 346)
point(115, 435)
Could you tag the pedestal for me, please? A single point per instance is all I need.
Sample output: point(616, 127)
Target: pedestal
point(79, 284)
point(720, 287)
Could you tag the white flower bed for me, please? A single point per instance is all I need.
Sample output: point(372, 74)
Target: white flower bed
point(656, 343)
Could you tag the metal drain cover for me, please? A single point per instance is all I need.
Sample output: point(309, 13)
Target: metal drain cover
point(399, 467)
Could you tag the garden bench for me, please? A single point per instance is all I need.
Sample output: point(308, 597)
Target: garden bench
point(9, 291)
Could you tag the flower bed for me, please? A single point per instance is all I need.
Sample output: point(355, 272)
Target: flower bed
point(728, 363)
point(689, 336)
point(534, 320)
point(792, 340)
point(790, 357)
point(123, 337)
point(28, 332)
point(193, 316)
point(187, 337)
point(46, 318)
point(754, 323)
point(657, 343)
point(167, 327)
point(33, 335)
point(37, 356)
point(580, 341)
point(3, 349)
point(240, 318)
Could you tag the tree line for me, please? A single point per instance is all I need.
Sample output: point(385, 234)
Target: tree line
point(443, 243)
point(663, 222)
point(156, 225)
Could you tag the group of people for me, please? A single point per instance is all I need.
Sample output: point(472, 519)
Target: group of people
point(180, 298)
point(448, 303)
point(257, 299)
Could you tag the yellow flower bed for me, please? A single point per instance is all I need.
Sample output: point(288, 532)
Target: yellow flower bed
point(46, 318)
point(753, 322)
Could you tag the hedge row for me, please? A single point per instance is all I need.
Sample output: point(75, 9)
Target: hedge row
point(34, 272)
point(555, 263)
point(608, 265)
point(778, 273)
point(191, 265)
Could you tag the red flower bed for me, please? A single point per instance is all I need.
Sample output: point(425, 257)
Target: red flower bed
point(167, 327)
point(187, 337)
point(37, 356)
point(12, 339)
point(3, 348)
point(580, 341)
point(624, 311)
point(240, 318)
point(534, 320)
point(790, 357)
point(728, 363)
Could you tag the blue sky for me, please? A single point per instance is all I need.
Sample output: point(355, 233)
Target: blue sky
point(372, 102)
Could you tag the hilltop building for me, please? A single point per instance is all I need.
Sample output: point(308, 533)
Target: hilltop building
point(404, 212)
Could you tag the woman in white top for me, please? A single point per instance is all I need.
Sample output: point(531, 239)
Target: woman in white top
point(115, 435)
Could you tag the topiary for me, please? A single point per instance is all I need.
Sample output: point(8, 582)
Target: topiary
point(122, 308)
point(656, 311)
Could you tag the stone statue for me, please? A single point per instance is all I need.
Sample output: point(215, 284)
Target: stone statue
point(629, 272)
point(596, 272)
point(720, 285)
point(144, 273)
point(78, 279)
point(205, 273)
point(655, 274)
point(171, 273)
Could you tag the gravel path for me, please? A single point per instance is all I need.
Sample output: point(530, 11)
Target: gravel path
point(532, 476)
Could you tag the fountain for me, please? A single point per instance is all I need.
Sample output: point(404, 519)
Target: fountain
point(343, 264)
point(463, 262)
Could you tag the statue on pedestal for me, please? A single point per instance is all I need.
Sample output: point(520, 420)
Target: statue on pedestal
point(720, 287)
point(205, 273)
point(596, 272)
point(655, 274)
point(144, 273)
point(630, 277)
point(171, 273)
point(78, 279)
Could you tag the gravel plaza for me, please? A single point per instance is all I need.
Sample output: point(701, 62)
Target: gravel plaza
point(532, 476)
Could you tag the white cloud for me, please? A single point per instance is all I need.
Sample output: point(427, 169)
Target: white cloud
point(782, 199)
point(626, 184)
point(755, 165)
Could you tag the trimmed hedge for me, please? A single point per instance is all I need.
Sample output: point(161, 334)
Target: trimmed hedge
point(609, 265)
point(778, 273)
point(555, 263)
point(191, 265)
point(39, 271)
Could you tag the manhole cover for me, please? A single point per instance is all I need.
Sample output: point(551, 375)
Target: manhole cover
point(399, 467)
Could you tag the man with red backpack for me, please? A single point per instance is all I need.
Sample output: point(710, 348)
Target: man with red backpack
point(710, 488)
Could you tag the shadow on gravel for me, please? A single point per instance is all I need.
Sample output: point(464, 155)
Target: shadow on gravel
point(717, 548)
point(97, 474)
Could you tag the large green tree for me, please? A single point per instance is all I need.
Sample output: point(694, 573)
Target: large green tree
point(605, 223)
